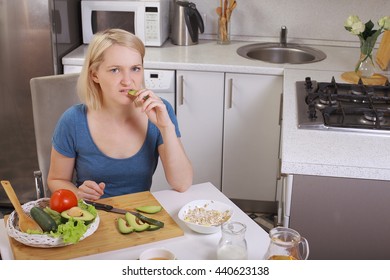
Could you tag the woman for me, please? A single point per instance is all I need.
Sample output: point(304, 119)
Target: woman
point(113, 140)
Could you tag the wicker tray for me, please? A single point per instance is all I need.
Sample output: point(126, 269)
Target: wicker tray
point(40, 240)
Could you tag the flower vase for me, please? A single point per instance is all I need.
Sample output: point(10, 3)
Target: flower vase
point(365, 66)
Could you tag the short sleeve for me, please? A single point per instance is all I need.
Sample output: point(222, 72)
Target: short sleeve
point(64, 136)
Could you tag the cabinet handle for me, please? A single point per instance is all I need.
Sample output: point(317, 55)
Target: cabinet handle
point(279, 170)
point(230, 93)
point(181, 90)
point(281, 109)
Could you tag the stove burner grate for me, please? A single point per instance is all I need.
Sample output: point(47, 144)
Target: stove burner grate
point(351, 117)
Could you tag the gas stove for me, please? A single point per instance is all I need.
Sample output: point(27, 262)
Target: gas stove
point(343, 107)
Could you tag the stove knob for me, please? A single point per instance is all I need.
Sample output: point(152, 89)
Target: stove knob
point(308, 83)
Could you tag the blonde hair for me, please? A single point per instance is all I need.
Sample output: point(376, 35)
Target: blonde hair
point(89, 91)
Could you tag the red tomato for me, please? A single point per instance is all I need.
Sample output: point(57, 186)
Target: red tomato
point(62, 200)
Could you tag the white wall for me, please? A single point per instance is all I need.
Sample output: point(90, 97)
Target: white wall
point(308, 21)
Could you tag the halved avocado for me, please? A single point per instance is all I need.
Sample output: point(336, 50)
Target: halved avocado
point(78, 214)
point(124, 227)
point(136, 223)
point(150, 209)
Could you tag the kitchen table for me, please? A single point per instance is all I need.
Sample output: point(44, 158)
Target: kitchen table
point(191, 245)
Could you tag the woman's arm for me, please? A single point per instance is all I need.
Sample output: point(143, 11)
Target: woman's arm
point(61, 174)
point(177, 166)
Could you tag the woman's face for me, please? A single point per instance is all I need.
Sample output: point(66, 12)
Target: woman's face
point(120, 71)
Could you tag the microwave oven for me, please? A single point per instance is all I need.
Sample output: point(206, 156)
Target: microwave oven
point(147, 19)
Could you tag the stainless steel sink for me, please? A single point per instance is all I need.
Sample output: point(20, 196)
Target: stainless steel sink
point(281, 53)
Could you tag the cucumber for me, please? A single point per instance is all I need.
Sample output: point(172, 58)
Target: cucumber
point(43, 219)
point(54, 214)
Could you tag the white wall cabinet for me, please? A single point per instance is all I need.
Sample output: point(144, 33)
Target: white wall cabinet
point(199, 108)
point(230, 130)
point(251, 136)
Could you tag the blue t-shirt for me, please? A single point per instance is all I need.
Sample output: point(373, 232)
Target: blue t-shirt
point(73, 139)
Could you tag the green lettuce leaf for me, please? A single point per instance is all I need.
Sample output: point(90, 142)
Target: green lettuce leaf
point(71, 231)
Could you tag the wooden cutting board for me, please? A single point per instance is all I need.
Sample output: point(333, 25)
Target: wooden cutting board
point(106, 237)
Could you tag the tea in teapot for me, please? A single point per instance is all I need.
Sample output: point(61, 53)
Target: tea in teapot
point(286, 244)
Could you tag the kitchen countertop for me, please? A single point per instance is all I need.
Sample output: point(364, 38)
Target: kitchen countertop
point(310, 152)
point(210, 56)
point(329, 153)
point(191, 246)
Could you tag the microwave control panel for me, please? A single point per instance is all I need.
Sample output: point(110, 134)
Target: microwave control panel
point(152, 26)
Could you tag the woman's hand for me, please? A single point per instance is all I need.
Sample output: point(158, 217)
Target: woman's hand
point(90, 190)
point(154, 108)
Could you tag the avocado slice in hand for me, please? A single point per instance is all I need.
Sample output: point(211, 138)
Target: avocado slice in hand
point(132, 92)
point(150, 209)
point(136, 223)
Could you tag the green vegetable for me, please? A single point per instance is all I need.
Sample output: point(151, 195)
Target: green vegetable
point(153, 227)
point(132, 92)
point(150, 221)
point(124, 227)
point(44, 220)
point(77, 213)
point(71, 231)
point(54, 214)
point(150, 209)
point(136, 224)
point(90, 208)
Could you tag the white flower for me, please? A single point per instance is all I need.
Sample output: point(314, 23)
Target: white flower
point(357, 28)
point(384, 22)
point(351, 20)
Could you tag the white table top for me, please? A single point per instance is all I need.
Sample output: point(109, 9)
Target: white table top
point(191, 246)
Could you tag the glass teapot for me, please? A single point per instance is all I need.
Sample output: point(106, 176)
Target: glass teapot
point(286, 244)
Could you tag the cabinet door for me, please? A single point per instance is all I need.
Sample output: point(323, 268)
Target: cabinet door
point(251, 136)
point(199, 106)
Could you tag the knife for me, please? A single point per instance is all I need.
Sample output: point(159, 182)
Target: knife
point(110, 208)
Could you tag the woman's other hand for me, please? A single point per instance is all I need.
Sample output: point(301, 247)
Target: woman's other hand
point(90, 190)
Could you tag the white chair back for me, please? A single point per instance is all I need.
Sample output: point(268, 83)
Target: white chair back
point(51, 96)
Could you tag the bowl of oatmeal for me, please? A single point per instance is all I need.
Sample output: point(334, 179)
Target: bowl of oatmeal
point(205, 216)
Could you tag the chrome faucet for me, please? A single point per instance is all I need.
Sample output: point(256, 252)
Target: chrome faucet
point(283, 36)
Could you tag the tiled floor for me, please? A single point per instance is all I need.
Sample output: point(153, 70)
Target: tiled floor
point(265, 220)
